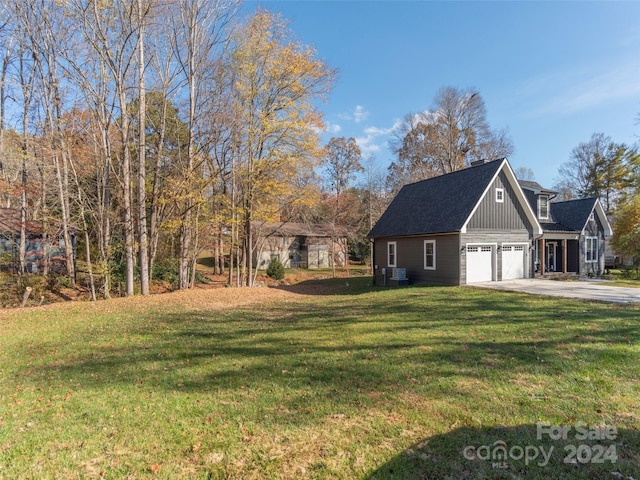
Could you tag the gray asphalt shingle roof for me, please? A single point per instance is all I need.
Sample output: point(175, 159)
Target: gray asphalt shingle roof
point(568, 216)
point(535, 186)
point(436, 205)
point(573, 213)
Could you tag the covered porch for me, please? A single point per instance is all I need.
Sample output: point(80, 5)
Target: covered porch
point(557, 253)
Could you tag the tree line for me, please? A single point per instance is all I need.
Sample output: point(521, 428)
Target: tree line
point(610, 171)
point(150, 129)
point(153, 130)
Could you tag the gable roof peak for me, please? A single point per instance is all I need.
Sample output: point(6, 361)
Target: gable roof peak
point(442, 204)
point(473, 165)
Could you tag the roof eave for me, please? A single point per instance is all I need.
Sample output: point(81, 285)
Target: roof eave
point(410, 235)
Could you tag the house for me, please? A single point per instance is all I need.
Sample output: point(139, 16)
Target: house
point(300, 245)
point(40, 248)
point(574, 233)
point(472, 225)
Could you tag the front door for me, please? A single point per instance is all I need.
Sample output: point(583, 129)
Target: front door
point(551, 256)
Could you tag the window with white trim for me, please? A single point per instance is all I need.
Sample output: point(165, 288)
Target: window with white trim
point(543, 206)
point(391, 254)
point(429, 254)
point(591, 249)
point(500, 195)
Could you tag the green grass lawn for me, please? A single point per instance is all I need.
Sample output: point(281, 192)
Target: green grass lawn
point(325, 381)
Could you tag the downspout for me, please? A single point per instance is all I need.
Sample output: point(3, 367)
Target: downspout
point(372, 244)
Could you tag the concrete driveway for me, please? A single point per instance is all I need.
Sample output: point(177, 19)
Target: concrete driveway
point(589, 290)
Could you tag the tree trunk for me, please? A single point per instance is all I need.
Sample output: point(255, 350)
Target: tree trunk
point(25, 296)
point(195, 249)
point(87, 253)
point(63, 195)
point(143, 244)
point(129, 238)
point(154, 230)
point(104, 203)
point(185, 246)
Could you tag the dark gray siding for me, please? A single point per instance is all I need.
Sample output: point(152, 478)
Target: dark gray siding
point(410, 255)
point(593, 228)
point(492, 215)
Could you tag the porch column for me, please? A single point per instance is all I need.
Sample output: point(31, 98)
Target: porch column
point(564, 256)
point(543, 254)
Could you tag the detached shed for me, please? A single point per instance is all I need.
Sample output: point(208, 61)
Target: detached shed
point(300, 245)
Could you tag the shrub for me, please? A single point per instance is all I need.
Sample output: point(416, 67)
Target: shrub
point(627, 272)
point(166, 270)
point(275, 269)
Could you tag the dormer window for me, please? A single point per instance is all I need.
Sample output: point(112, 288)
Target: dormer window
point(543, 207)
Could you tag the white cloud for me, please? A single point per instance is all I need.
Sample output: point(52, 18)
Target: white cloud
point(328, 127)
point(360, 114)
point(376, 138)
point(332, 128)
point(578, 91)
point(377, 131)
point(367, 145)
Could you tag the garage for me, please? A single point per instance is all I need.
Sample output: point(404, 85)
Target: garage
point(479, 263)
point(513, 262)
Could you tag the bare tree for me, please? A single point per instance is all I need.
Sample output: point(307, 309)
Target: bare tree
point(342, 158)
point(26, 77)
point(41, 27)
point(200, 26)
point(163, 121)
point(524, 173)
point(89, 74)
point(342, 162)
point(448, 137)
point(6, 50)
point(109, 30)
point(142, 11)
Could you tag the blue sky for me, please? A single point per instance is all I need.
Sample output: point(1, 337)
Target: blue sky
point(552, 73)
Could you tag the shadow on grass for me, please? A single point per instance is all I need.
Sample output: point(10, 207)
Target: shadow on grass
point(344, 348)
point(333, 286)
point(523, 452)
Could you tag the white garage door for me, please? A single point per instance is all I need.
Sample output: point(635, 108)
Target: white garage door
point(513, 261)
point(479, 263)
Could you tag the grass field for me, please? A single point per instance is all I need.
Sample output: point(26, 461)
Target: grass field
point(326, 379)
